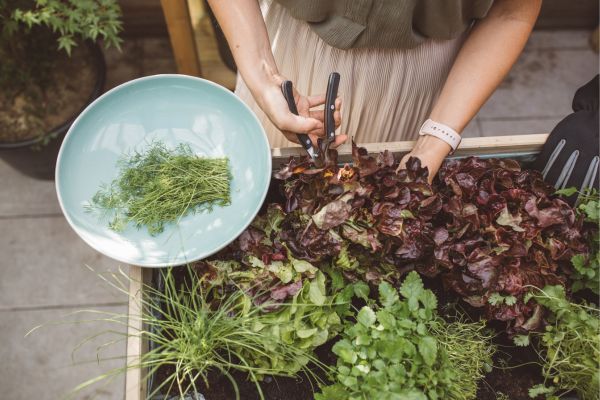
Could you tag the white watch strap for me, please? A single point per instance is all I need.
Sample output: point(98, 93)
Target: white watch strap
point(442, 132)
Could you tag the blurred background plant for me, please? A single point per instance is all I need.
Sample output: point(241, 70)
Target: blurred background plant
point(34, 32)
point(46, 75)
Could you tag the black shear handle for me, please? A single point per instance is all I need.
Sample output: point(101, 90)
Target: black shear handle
point(330, 96)
point(288, 93)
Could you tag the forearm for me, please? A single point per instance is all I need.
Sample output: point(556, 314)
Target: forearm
point(246, 33)
point(247, 36)
point(485, 58)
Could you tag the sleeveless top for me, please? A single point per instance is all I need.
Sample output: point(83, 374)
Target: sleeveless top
point(345, 24)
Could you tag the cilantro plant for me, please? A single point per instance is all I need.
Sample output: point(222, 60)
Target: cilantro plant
point(569, 347)
point(587, 267)
point(521, 340)
point(400, 349)
point(497, 299)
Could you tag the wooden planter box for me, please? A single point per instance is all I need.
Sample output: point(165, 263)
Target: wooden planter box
point(521, 146)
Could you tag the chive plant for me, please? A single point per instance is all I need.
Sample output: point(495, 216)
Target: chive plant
point(199, 328)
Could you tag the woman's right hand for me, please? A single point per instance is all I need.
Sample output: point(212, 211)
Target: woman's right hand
point(246, 34)
point(271, 100)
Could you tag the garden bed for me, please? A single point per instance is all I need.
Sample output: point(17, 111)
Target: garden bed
point(512, 382)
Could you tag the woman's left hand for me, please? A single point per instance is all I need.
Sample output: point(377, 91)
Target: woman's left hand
point(431, 151)
point(488, 53)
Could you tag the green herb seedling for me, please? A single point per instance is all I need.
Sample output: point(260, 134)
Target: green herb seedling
point(569, 349)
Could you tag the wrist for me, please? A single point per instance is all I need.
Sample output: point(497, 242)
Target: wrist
point(431, 146)
point(261, 77)
point(442, 132)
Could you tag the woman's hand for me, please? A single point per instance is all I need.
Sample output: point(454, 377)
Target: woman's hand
point(431, 151)
point(490, 50)
point(246, 34)
point(271, 100)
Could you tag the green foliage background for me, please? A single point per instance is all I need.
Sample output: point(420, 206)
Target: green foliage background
point(31, 32)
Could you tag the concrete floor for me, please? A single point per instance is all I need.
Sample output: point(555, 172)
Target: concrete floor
point(538, 91)
point(46, 279)
point(44, 263)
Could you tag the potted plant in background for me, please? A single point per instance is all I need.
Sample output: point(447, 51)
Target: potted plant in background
point(52, 67)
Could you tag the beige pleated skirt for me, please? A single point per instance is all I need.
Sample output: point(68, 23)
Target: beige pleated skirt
point(386, 93)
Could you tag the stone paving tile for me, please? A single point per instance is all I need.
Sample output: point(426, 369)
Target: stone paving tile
point(157, 57)
point(541, 84)
point(140, 57)
point(22, 195)
point(517, 126)
point(39, 366)
point(559, 39)
point(124, 65)
point(159, 66)
point(473, 129)
point(44, 264)
point(157, 48)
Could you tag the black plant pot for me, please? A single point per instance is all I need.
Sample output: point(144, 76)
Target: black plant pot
point(37, 160)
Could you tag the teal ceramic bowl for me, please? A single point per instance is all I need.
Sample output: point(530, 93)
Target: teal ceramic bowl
point(173, 109)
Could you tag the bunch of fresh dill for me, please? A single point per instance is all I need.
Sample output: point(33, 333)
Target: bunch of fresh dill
point(158, 186)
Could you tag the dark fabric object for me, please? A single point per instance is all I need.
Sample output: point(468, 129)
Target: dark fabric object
point(580, 132)
point(348, 24)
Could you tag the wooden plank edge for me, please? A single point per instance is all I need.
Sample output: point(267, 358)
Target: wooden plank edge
point(469, 146)
point(135, 384)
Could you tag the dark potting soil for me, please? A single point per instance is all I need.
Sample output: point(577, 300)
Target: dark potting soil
point(513, 383)
point(515, 372)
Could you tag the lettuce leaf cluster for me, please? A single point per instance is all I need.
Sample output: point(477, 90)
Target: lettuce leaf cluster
point(374, 216)
point(501, 230)
point(487, 227)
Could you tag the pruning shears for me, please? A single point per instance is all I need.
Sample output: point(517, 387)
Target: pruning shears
point(320, 154)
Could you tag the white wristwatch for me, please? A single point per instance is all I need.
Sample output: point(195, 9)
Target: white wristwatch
point(442, 132)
